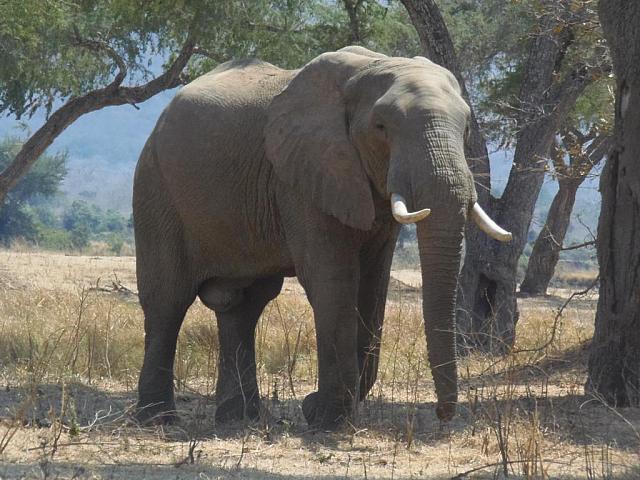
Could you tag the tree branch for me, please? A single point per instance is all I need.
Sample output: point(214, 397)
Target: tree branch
point(600, 147)
point(100, 46)
point(171, 78)
point(352, 7)
point(207, 53)
point(92, 101)
point(580, 245)
point(582, 160)
point(565, 93)
point(557, 157)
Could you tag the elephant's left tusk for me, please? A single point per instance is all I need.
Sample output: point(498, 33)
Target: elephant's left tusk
point(402, 215)
point(488, 226)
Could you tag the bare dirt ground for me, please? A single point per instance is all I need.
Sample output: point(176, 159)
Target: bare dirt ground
point(71, 344)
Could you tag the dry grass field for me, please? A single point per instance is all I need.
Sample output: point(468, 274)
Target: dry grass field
point(71, 344)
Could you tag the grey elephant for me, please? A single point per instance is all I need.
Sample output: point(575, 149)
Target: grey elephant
point(254, 173)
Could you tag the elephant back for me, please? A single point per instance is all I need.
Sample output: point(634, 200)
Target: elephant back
point(209, 152)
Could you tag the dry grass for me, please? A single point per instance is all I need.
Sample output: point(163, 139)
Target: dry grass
point(568, 275)
point(70, 354)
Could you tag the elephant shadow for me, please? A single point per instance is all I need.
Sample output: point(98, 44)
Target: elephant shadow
point(133, 470)
point(575, 418)
point(578, 418)
point(72, 403)
point(89, 407)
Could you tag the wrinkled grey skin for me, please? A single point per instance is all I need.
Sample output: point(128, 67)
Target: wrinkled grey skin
point(254, 173)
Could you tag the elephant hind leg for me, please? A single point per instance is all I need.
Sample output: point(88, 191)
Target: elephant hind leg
point(237, 394)
point(155, 387)
point(165, 297)
point(166, 291)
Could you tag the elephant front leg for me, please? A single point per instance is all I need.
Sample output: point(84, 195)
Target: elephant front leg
point(375, 266)
point(334, 299)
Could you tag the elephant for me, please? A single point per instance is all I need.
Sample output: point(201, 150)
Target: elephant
point(254, 173)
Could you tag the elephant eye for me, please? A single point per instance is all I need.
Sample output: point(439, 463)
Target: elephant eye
point(380, 126)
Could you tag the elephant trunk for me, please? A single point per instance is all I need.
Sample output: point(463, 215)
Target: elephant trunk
point(435, 176)
point(440, 249)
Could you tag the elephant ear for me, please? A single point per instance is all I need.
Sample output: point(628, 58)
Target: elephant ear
point(307, 140)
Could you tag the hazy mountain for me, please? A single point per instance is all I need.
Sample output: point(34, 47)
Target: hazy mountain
point(103, 148)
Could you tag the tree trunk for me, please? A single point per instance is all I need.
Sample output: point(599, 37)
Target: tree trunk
point(549, 244)
point(614, 363)
point(352, 7)
point(546, 250)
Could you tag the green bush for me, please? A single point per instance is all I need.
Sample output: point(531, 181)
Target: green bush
point(54, 239)
point(115, 243)
point(80, 236)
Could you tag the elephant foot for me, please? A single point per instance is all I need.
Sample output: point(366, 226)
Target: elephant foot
point(160, 413)
point(321, 415)
point(239, 407)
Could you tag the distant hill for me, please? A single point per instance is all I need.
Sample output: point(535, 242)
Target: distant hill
point(103, 149)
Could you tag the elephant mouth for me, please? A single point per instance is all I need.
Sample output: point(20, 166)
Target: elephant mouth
point(479, 216)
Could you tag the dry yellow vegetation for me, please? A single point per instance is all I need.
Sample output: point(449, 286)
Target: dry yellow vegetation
point(71, 344)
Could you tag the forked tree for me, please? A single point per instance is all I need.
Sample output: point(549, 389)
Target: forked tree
point(584, 152)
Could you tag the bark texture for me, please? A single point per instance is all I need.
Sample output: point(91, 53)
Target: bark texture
point(487, 309)
point(549, 244)
point(112, 94)
point(352, 7)
point(614, 363)
point(546, 250)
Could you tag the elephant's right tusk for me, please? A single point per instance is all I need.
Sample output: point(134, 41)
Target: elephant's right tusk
point(488, 226)
point(400, 213)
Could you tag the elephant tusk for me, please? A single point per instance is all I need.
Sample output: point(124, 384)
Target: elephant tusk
point(488, 226)
point(400, 213)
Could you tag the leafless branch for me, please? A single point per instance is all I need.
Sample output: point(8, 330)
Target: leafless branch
point(579, 245)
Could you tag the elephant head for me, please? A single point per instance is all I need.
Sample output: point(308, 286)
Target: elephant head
point(353, 124)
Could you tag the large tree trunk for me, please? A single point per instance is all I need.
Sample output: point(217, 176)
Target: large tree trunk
point(614, 364)
point(487, 309)
point(546, 250)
